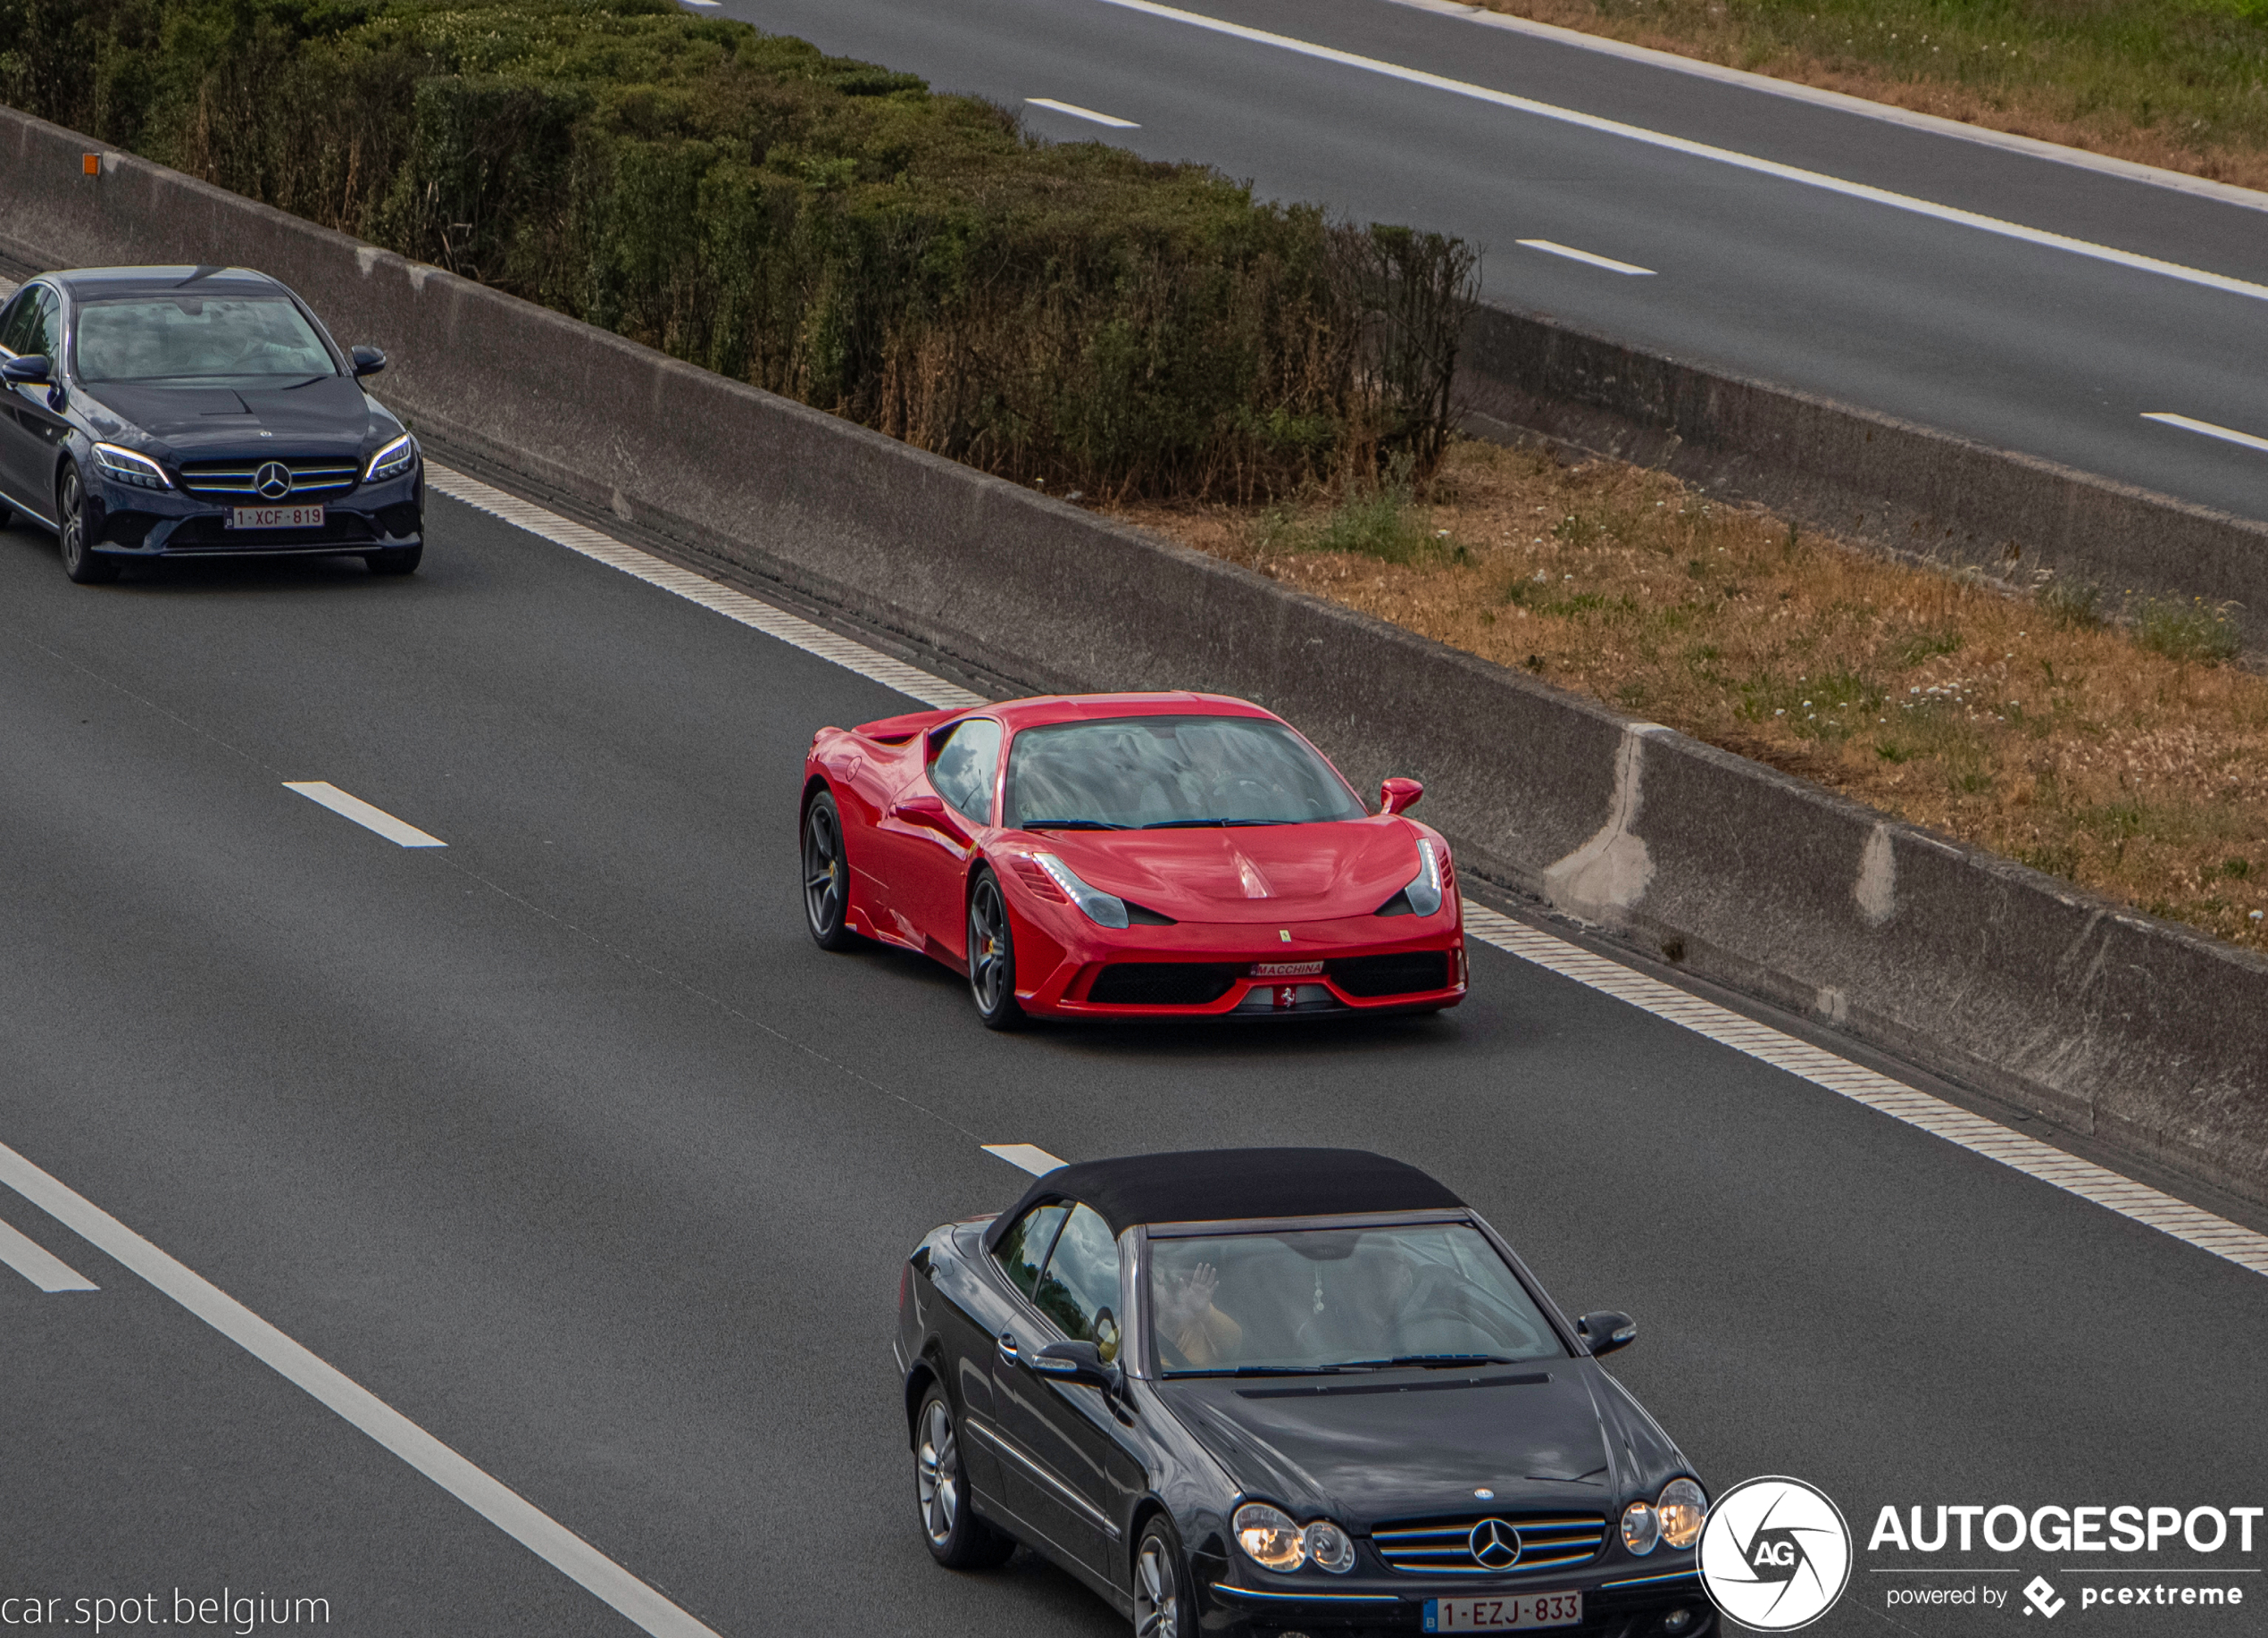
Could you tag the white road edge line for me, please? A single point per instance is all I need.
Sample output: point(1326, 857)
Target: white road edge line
point(1702, 150)
point(2226, 434)
point(817, 640)
point(1549, 248)
point(322, 792)
point(1077, 112)
point(2043, 1161)
point(1032, 1158)
point(501, 1506)
point(38, 1264)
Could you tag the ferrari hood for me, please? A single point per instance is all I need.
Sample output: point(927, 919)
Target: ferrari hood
point(1247, 874)
point(1367, 1448)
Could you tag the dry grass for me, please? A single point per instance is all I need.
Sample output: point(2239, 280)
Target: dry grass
point(2026, 724)
point(2175, 83)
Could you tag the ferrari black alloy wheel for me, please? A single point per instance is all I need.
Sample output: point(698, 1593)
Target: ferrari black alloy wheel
point(81, 561)
point(992, 956)
point(958, 1539)
point(826, 875)
point(1161, 1608)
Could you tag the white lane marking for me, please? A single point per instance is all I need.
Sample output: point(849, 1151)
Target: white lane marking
point(1077, 112)
point(38, 1264)
point(1702, 150)
point(362, 813)
point(2155, 176)
point(868, 663)
point(2226, 434)
point(2030, 1155)
point(2105, 1188)
point(1037, 1161)
point(500, 1505)
point(1573, 255)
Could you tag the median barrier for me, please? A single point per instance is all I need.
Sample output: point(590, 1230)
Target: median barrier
point(2111, 1023)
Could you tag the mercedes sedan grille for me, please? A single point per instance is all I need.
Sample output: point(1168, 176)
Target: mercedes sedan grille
point(1490, 1544)
point(271, 480)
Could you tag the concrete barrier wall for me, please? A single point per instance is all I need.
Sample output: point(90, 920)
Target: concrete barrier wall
point(2107, 1022)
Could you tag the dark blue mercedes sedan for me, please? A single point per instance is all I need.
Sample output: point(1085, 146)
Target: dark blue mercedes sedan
point(196, 412)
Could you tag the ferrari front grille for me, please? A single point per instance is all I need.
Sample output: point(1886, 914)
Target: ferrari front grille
point(1164, 984)
point(1406, 973)
point(1444, 1546)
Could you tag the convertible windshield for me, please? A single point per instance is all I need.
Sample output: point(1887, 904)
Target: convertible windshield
point(185, 339)
point(1150, 771)
point(1325, 1300)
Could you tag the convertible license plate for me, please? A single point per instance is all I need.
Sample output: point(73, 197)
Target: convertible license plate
point(1522, 1612)
point(276, 517)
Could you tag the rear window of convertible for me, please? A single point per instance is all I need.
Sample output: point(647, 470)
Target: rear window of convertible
point(1151, 773)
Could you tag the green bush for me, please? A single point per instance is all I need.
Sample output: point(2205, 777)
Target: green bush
point(818, 227)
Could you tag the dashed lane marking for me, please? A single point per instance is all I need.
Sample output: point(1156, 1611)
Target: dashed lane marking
point(1077, 112)
point(38, 1264)
point(494, 1500)
point(1033, 1159)
point(2227, 435)
point(1550, 248)
point(401, 833)
point(2189, 1223)
point(876, 667)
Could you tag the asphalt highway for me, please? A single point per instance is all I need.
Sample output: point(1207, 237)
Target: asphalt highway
point(2039, 349)
point(564, 1141)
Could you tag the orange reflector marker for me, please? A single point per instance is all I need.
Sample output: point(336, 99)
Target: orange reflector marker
point(94, 164)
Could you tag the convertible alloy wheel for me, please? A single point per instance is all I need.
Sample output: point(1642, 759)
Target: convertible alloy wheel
point(1157, 1588)
point(992, 956)
point(84, 565)
point(826, 876)
point(958, 1539)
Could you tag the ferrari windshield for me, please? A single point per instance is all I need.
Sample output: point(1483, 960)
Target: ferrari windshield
point(183, 340)
point(1339, 1300)
point(1147, 772)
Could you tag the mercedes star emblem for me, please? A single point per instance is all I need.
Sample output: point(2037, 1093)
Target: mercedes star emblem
point(1495, 1544)
point(273, 480)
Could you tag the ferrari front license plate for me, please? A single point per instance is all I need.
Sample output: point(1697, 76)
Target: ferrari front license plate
point(1521, 1612)
point(276, 517)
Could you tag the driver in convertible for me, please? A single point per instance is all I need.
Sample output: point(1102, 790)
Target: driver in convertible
point(1187, 1319)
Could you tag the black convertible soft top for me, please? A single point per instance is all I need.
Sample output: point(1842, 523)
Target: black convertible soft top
point(1206, 1185)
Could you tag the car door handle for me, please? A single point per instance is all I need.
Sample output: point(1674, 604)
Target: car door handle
point(1008, 1346)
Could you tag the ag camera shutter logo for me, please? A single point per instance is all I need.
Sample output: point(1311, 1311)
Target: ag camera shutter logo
point(1775, 1554)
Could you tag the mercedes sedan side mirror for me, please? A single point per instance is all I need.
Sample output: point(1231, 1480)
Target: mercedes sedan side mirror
point(1076, 1362)
point(1398, 796)
point(32, 369)
point(368, 361)
point(1605, 1330)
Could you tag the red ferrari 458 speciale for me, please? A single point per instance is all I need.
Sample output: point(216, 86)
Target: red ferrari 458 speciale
point(1129, 856)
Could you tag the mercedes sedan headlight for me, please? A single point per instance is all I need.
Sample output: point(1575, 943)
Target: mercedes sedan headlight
point(1424, 890)
point(1104, 909)
point(125, 466)
point(1680, 1509)
point(392, 461)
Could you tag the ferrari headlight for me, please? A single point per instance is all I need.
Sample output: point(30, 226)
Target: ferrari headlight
point(392, 461)
point(1329, 1547)
point(1424, 890)
point(1641, 1529)
point(1104, 909)
point(1680, 1509)
point(1269, 1537)
point(125, 466)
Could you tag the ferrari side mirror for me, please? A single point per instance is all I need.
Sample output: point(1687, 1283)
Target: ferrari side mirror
point(1398, 796)
point(1076, 1362)
point(1605, 1330)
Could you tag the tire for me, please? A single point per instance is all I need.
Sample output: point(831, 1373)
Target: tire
point(396, 559)
point(1165, 1601)
point(958, 1539)
point(85, 565)
point(992, 955)
point(826, 876)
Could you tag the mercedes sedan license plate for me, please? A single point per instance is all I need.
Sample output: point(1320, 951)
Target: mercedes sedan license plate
point(1520, 1612)
point(276, 517)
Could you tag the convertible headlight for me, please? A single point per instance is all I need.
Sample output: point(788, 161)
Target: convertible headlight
point(1269, 1537)
point(1642, 1528)
point(1680, 1509)
point(1104, 909)
point(1329, 1547)
point(392, 461)
point(125, 466)
point(1424, 890)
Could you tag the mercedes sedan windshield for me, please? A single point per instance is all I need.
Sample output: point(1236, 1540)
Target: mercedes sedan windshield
point(1331, 1299)
point(1151, 773)
point(188, 338)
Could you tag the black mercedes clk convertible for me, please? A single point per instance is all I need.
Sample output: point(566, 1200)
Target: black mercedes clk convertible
point(152, 412)
point(1287, 1391)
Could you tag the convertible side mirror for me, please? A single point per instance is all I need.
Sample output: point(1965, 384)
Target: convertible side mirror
point(368, 361)
point(1605, 1330)
point(32, 369)
point(1077, 1362)
point(1398, 796)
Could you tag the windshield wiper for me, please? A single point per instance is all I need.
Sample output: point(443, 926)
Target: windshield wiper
point(1282, 1370)
point(1428, 1361)
point(1184, 824)
point(1072, 824)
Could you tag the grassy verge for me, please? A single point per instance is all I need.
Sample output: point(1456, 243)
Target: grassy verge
point(2176, 83)
point(819, 227)
point(2094, 736)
